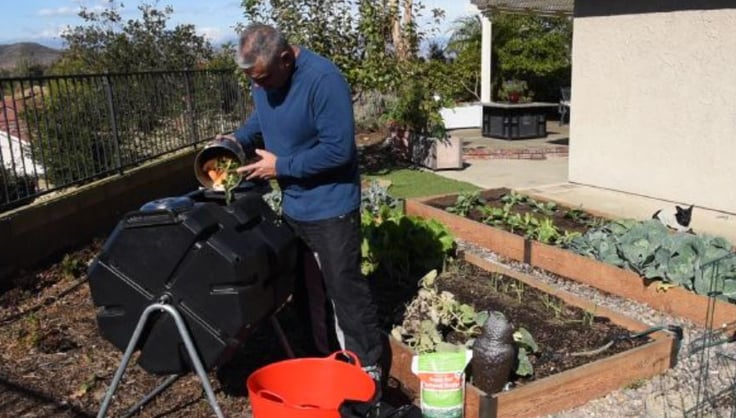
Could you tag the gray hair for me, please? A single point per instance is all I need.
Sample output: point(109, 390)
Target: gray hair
point(261, 42)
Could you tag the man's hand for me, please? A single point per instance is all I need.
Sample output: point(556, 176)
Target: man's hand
point(265, 168)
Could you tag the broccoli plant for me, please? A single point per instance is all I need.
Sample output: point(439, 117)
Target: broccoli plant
point(656, 253)
point(376, 197)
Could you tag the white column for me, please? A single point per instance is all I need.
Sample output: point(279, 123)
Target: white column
point(485, 57)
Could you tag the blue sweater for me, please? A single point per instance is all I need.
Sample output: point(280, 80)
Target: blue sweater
point(308, 124)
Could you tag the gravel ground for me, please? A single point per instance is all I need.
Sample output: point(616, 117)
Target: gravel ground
point(671, 394)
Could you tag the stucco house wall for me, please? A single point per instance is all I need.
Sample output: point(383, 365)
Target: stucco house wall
point(654, 99)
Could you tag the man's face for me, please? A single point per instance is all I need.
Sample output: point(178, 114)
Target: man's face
point(272, 75)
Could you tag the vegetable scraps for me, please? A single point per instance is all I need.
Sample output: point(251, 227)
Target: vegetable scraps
point(224, 175)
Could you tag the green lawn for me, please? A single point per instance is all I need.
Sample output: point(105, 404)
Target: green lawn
point(415, 183)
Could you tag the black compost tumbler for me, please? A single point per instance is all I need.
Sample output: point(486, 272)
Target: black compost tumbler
point(224, 267)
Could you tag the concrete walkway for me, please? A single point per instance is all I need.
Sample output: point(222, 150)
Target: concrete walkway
point(547, 179)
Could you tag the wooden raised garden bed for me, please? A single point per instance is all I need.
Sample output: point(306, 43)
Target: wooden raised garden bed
point(563, 390)
point(608, 278)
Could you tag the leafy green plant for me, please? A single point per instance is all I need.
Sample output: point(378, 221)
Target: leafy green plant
point(466, 202)
point(546, 232)
point(576, 215)
point(493, 216)
point(375, 198)
point(589, 317)
point(567, 237)
point(514, 222)
point(512, 198)
point(30, 332)
point(519, 288)
point(403, 248)
point(545, 208)
point(72, 267)
point(652, 251)
point(525, 345)
point(555, 305)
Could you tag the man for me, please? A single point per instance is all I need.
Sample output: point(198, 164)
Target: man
point(303, 110)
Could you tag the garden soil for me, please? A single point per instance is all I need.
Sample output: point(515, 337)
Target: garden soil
point(558, 329)
point(493, 199)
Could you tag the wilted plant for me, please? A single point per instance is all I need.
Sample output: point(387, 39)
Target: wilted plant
point(433, 313)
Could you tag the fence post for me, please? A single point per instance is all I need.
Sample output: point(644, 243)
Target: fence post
point(113, 122)
point(191, 108)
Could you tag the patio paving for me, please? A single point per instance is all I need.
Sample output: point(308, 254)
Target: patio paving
point(476, 146)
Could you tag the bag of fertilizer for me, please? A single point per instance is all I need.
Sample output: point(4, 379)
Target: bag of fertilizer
point(442, 377)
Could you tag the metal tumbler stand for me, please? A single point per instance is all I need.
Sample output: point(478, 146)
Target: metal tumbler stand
point(163, 306)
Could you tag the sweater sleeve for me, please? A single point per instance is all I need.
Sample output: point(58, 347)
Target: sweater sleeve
point(332, 107)
point(247, 132)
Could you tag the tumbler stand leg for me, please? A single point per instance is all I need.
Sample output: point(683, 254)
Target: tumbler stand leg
point(162, 306)
point(282, 336)
point(151, 395)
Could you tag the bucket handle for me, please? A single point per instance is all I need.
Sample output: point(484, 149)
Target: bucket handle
point(353, 359)
point(274, 397)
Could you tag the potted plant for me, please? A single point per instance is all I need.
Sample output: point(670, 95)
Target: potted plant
point(417, 128)
point(515, 91)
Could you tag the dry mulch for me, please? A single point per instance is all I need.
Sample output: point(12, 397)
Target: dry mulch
point(54, 363)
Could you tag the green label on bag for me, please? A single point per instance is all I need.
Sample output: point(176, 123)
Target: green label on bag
point(442, 380)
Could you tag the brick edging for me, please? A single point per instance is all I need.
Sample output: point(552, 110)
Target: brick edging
point(515, 153)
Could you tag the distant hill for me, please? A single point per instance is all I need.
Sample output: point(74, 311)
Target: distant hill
point(12, 54)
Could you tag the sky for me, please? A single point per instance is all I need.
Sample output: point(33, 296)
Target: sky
point(43, 20)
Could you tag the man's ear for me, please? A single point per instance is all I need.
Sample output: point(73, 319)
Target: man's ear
point(286, 57)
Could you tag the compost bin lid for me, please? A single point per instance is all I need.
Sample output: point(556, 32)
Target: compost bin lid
point(175, 204)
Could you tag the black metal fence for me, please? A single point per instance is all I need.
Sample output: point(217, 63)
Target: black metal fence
point(67, 130)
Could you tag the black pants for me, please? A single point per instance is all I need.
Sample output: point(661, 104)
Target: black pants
point(336, 242)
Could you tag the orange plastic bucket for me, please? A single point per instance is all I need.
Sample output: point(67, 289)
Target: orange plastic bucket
point(308, 387)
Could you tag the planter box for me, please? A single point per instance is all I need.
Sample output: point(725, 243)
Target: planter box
point(608, 278)
point(562, 391)
point(432, 153)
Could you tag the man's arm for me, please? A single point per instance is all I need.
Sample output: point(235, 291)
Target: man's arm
point(333, 111)
point(247, 132)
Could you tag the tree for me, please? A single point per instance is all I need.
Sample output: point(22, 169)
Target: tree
point(106, 43)
point(535, 49)
point(436, 52)
point(359, 36)
point(376, 55)
point(465, 47)
point(76, 139)
point(526, 47)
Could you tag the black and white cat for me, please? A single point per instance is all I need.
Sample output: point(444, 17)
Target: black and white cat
point(678, 220)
